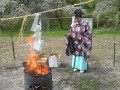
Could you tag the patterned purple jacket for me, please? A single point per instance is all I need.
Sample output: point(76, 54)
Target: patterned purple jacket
point(81, 47)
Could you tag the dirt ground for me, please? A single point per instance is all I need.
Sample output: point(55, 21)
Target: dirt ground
point(101, 74)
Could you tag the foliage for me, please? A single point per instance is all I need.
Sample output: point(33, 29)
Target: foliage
point(15, 9)
point(89, 7)
point(72, 1)
point(25, 2)
point(106, 6)
point(34, 5)
point(22, 7)
point(107, 12)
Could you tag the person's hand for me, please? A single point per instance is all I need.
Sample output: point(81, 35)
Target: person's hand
point(69, 34)
point(79, 38)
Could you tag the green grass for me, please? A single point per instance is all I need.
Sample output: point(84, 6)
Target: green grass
point(106, 32)
point(15, 34)
point(86, 83)
point(57, 32)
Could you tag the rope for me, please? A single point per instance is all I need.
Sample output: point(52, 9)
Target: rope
point(58, 18)
point(52, 10)
point(21, 30)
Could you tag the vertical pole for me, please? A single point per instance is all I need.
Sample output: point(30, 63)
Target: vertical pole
point(114, 52)
point(12, 44)
point(98, 20)
point(48, 25)
point(0, 31)
point(117, 19)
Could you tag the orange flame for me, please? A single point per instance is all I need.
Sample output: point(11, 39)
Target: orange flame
point(30, 40)
point(32, 64)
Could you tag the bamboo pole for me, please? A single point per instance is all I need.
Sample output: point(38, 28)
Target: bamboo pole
point(21, 30)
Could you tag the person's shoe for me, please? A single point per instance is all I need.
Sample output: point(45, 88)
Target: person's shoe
point(74, 69)
point(81, 71)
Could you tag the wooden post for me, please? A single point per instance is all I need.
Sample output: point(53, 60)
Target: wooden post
point(114, 52)
point(98, 20)
point(48, 25)
point(117, 19)
point(0, 31)
point(12, 44)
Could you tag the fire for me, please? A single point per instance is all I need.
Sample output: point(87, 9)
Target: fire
point(34, 63)
point(30, 40)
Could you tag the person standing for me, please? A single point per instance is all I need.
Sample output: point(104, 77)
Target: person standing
point(81, 38)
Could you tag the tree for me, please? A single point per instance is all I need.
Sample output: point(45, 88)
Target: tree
point(105, 7)
point(40, 5)
point(72, 1)
point(15, 9)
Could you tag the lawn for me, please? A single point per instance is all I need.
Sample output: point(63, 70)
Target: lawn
point(60, 33)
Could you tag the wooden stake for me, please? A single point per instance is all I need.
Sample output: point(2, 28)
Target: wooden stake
point(12, 44)
point(48, 25)
point(0, 31)
point(98, 20)
point(114, 52)
point(117, 19)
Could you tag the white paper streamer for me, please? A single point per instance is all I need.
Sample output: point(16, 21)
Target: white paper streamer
point(35, 22)
point(37, 35)
point(38, 45)
point(73, 21)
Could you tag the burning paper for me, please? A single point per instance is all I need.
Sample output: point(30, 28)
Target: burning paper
point(32, 65)
point(35, 64)
point(30, 40)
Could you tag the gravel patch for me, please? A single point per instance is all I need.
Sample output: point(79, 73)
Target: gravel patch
point(101, 74)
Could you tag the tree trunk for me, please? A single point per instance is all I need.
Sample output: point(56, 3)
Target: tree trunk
point(59, 19)
point(0, 31)
point(117, 19)
point(98, 20)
